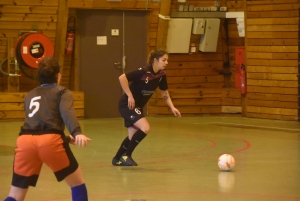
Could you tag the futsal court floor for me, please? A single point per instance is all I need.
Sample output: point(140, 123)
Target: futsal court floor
point(177, 161)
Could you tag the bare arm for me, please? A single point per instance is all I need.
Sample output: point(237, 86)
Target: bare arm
point(125, 86)
point(165, 95)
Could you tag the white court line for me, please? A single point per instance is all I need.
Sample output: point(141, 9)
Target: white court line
point(253, 126)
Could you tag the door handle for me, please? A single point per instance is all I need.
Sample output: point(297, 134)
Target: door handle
point(118, 65)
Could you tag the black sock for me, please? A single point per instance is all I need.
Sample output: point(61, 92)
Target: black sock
point(122, 148)
point(135, 140)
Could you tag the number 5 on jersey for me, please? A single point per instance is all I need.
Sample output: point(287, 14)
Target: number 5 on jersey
point(34, 103)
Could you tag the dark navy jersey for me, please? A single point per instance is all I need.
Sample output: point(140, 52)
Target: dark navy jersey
point(143, 83)
point(48, 108)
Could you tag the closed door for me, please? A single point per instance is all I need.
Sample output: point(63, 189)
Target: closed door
point(106, 38)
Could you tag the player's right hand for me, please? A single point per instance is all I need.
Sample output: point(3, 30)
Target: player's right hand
point(131, 103)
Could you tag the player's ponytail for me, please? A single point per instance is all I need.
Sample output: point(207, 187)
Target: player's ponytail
point(156, 54)
point(48, 69)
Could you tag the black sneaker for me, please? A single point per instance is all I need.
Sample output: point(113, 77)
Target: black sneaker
point(127, 161)
point(116, 162)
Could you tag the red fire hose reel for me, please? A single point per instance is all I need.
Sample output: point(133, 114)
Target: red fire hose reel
point(31, 48)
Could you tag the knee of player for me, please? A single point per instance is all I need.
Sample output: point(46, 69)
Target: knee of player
point(146, 129)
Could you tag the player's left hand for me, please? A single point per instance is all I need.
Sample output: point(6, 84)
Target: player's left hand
point(72, 140)
point(176, 112)
point(80, 140)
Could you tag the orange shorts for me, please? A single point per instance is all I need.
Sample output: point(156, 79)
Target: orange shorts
point(34, 150)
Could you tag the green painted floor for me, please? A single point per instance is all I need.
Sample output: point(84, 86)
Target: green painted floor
point(177, 161)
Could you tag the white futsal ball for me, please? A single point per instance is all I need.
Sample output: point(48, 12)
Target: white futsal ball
point(226, 162)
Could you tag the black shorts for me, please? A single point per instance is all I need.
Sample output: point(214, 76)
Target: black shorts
point(131, 116)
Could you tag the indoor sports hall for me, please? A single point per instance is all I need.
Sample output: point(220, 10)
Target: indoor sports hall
point(177, 161)
point(231, 68)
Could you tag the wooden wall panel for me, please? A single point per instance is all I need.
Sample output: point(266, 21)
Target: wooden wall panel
point(11, 9)
point(126, 4)
point(272, 59)
point(24, 15)
point(28, 25)
point(80, 3)
point(228, 40)
point(28, 17)
point(237, 5)
point(30, 2)
point(12, 105)
point(197, 101)
point(197, 87)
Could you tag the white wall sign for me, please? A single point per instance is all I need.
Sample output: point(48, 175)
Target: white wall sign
point(101, 40)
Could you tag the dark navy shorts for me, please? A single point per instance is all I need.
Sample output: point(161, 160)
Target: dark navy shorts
point(131, 116)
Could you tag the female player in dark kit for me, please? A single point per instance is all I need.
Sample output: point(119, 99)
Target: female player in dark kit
point(48, 108)
point(143, 83)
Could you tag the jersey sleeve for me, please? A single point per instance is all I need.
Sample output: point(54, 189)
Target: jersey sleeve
point(163, 84)
point(135, 74)
point(68, 114)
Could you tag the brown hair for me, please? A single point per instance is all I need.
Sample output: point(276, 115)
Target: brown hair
point(48, 69)
point(156, 54)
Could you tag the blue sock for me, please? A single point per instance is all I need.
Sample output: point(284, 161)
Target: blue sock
point(10, 199)
point(79, 193)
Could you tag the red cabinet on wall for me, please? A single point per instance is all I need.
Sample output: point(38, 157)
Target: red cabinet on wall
point(239, 60)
